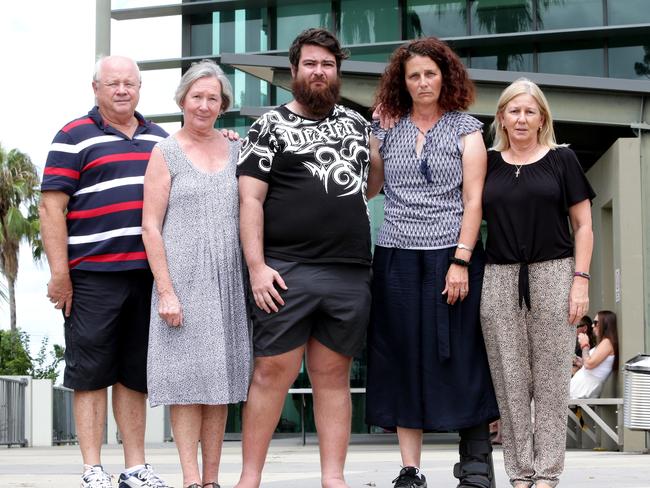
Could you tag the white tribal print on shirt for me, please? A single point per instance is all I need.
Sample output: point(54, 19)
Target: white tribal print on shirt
point(317, 170)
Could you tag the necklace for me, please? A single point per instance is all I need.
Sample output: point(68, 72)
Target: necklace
point(519, 166)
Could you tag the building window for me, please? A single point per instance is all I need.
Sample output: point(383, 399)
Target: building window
point(440, 18)
point(503, 58)
point(567, 14)
point(292, 20)
point(501, 16)
point(369, 21)
point(629, 58)
point(587, 58)
point(627, 12)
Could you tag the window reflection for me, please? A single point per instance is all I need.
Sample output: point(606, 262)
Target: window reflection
point(501, 16)
point(364, 21)
point(627, 12)
point(629, 58)
point(565, 14)
point(586, 59)
point(440, 18)
point(503, 58)
point(292, 20)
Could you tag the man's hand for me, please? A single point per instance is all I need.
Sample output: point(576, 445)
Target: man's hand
point(385, 121)
point(230, 134)
point(263, 279)
point(59, 291)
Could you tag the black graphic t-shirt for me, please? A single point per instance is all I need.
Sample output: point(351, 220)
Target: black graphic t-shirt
point(315, 209)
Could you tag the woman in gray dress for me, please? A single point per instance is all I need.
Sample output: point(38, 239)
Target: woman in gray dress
point(199, 352)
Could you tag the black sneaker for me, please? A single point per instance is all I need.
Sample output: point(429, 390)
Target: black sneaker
point(408, 478)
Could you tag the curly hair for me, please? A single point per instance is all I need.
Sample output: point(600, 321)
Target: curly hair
point(317, 37)
point(456, 93)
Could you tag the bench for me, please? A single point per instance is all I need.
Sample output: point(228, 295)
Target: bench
point(586, 405)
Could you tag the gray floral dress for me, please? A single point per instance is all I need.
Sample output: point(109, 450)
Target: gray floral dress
point(207, 360)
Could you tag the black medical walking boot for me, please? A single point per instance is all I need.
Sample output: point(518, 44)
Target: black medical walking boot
point(475, 468)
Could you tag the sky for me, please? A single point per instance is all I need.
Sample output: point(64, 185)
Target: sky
point(47, 54)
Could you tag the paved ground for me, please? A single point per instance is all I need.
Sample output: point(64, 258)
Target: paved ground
point(291, 465)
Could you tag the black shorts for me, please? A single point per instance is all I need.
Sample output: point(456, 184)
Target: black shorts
point(107, 333)
point(330, 302)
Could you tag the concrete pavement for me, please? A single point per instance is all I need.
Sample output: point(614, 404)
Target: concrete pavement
point(291, 465)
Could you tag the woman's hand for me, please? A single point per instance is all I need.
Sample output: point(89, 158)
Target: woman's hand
point(578, 299)
point(583, 340)
point(169, 308)
point(456, 283)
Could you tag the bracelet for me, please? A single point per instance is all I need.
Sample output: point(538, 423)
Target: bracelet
point(463, 246)
point(459, 262)
point(582, 274)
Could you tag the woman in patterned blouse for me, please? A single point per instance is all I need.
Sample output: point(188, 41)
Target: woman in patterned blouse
point(427, 366)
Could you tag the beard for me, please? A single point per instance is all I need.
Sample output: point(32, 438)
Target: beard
point(319, 101)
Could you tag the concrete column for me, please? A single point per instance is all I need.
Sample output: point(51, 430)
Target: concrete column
point(41, 413)
point(102, 28)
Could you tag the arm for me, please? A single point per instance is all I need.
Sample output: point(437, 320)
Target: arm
point(54, 232)
point(580, 217)
point(252, 193)
point(474, 169)
point(157, 182)
point(376, 173)
point(599, 354)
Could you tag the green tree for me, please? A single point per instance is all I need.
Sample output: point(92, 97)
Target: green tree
point(18, 217)
point(14, 358)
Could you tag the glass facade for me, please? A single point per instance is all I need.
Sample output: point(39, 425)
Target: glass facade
point(482, 32)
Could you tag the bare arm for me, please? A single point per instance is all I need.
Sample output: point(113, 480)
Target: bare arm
point(580, 217)
point(157, 183)
point(598, 355)
point(376, 173)
point(474, 169)
point(54, 232)
point(252, 193)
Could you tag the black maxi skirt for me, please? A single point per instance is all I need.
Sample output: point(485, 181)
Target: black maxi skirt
point(427, 365)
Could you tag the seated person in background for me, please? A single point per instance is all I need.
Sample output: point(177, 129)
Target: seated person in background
point(597, 362)
point(583, 327)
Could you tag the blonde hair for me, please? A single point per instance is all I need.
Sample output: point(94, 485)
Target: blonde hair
point(546, 135)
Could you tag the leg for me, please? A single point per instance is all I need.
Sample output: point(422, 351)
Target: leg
point(272, 377)
point(410, 446)
point(213, 424)
point(474, 469)
point(130, 414)
point(506, 343)
point(90, 417)
point(552, 344)
point(186, 427)
point(329, 373)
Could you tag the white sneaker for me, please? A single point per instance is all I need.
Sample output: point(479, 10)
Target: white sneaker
point(144, 477)
point(96, 477)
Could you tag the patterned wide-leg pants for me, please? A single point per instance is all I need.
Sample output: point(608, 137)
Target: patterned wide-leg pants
point(530, 352)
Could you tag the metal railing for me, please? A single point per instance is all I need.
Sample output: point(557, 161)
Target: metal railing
point(12, 411)
point(63, 426)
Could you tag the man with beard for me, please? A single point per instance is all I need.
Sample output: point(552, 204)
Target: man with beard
point(306, 239)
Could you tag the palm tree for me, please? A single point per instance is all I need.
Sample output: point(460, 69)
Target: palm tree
point(18, 217)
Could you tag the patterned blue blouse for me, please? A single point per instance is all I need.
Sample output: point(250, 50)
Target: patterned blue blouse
point(423, 208)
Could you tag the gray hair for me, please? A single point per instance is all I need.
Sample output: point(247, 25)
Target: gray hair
point(206, 68)
point(101, 60)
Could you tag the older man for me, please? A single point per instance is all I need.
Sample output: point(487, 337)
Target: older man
point(91, 217)
point(306, 238)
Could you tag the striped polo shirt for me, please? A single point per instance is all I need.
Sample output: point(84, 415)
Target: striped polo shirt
point(103, 173)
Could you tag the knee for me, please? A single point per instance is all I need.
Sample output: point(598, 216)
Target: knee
point(328, 375)
point(269, 373)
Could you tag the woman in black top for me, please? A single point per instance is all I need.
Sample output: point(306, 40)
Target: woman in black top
point(536, 282)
